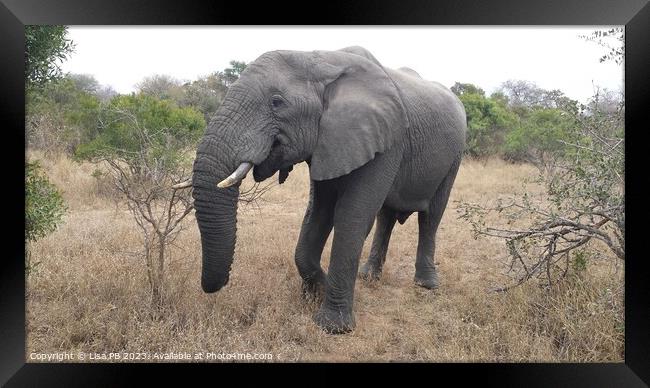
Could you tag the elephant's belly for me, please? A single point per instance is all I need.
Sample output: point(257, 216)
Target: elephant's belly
point(412, 191)
point(401, 204)
point(408, 201)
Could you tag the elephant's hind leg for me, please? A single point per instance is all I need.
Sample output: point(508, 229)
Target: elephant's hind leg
point(316, 228)
point(371, 270)
point(428, 221)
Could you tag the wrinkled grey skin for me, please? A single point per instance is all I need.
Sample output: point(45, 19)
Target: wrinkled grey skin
point(379, 143)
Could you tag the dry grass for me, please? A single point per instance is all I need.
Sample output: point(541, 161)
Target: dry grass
point(89, 292)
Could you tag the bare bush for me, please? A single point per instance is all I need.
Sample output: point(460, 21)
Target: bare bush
point(157, 209)
point(583, 202)
point(143, 165)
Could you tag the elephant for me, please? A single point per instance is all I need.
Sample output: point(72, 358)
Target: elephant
point(380, 143)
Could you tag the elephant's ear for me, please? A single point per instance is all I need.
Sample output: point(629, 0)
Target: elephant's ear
point(362, 114)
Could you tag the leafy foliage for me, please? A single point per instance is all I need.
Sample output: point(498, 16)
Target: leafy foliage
point(72, 110)
point(45, 46)
point(205, 94)
point(488, 121)
point(60, 115)
point(44, 207)
point(541, 137)
point(545, 123)
point(231, 74)
point(85, 82)
point(161, 86)
point(613, 40)
point(465, 88)
point(520, 121)
point(142, 128)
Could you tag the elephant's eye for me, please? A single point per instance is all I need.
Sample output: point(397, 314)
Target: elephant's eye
point(277, 101)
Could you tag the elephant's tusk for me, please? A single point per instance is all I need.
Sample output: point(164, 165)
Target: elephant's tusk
point(236, 176)
point(183, 185)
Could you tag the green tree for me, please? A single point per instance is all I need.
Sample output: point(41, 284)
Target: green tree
point(167, 128)
point(460, 88)
point(162, 86)
point(44, 207)
point(231, 74)
point(544, 122)
point(62, 113)
point(45, 46)
point(500, 98)
point(205, 94)
point(85, 82)
point(541, 137)
point(488, 121)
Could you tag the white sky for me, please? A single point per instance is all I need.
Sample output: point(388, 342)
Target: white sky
point(552, 57)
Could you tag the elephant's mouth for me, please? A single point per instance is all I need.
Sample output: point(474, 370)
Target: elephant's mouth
point(273, 163)
point(264, 171)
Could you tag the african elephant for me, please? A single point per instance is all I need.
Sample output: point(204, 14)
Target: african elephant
point(379, 143)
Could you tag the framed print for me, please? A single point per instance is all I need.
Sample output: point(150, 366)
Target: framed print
point(439, 187)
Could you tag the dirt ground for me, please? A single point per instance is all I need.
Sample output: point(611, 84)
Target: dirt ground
point(88, 291)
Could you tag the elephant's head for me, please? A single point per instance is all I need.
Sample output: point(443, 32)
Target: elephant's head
point(333, 109)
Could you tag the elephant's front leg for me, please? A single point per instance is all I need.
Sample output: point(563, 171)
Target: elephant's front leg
point(316, 227)
point(336, 313)
point(362, 194)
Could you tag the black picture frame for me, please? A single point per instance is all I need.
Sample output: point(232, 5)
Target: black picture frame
point(635, 15)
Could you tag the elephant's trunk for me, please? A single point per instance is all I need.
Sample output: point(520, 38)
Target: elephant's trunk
point(216, 214)
point(234, 142)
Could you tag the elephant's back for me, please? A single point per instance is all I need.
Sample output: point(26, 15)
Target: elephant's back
point(424, 99)
point(410, 72)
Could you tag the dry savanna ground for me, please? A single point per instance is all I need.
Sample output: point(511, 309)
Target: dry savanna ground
point(88, 291)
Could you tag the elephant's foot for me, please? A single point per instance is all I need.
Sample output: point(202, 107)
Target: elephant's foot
point(334, 321)
point(429, 281)
point(313, 289)
point(370, 271)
